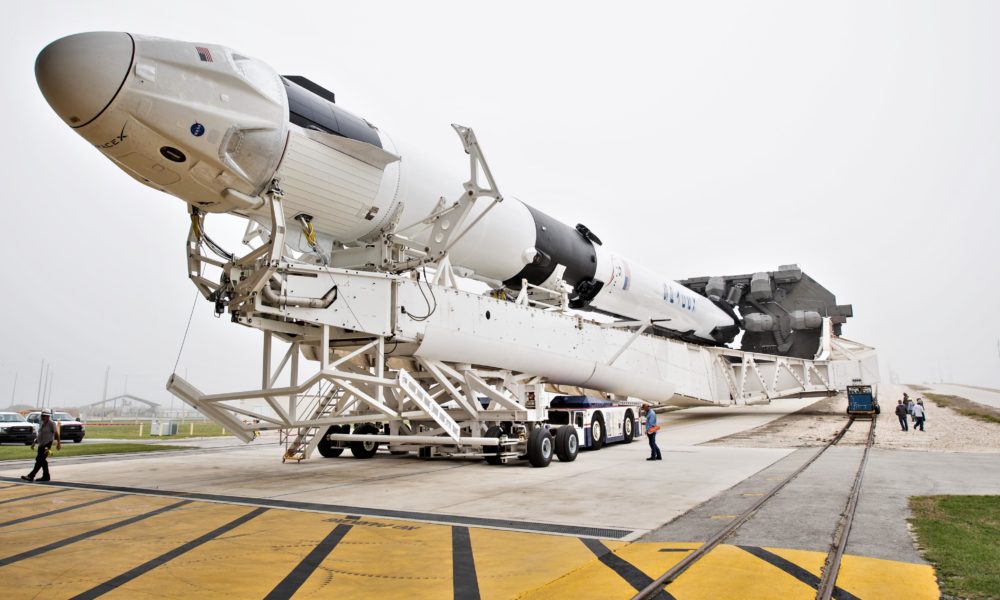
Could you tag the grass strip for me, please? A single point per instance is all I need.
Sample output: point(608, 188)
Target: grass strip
point(130, 431)
point(966, 407)
point(959, 536)
point(84, 449)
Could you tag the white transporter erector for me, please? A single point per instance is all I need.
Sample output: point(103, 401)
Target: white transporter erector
point(346, 224)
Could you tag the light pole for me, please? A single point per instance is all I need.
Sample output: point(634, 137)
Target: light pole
point(41, 378)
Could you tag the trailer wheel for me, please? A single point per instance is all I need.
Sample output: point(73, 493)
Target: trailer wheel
point(540, 447)
point(328, 449)
point(567, 444)
point(629, 427)
point(497, 432)
point(364, 449)
point(597, 431)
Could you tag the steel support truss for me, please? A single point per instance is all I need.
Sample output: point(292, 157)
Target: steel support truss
point(759, 378)
point(433, 406)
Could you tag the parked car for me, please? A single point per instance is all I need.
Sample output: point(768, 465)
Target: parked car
point(15, 428)
point(69, 427)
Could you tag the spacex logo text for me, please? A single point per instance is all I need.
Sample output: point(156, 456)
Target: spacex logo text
point(113, 141)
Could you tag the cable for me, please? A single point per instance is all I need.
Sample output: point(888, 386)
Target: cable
point(395, 344)
point(430, 309)
point(186, 329)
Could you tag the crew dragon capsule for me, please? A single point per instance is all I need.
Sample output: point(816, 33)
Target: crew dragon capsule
point(214, 128)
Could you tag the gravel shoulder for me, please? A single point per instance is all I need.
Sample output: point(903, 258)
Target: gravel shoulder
point(814, 425)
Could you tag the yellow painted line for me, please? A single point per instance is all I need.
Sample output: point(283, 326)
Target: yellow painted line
point(20, 491)
point(247, 562)
point(381, 558)
point(591, 580)
point(40, 532)
point(875, 578)
point(723, 517)
point(508, 561)
point(29, 507)
point(752, 494)
point(85, 564)
point(729, 572)
point(384, 559)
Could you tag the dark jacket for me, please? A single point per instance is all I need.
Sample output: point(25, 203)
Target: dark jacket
point(900, 410)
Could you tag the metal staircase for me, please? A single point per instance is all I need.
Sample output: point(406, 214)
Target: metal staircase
point(300, 445)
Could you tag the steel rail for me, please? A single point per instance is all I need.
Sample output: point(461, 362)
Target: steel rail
point(828, 582)
point(725, 532)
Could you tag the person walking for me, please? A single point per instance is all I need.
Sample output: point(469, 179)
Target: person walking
point(909, 407)
point(901, 413)
point(651, 429)
point(919, 415)
point(47, 433)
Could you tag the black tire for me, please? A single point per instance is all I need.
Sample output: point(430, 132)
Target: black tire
point(628, 429)
point(77, 440)
point(328, 449)
point(540, 447)
point(364, 449)
point(496, 432)
point(598, 432)
point(567, 444)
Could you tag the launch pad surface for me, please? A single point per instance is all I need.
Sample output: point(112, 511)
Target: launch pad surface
point(233, 521)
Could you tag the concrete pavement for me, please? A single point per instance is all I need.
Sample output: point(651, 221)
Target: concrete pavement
point(622, 520)
point(976, 394)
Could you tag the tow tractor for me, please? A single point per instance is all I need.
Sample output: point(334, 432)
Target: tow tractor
point(862, 401)
point(597, 421)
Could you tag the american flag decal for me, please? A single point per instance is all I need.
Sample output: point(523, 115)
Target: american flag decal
point(204, 54)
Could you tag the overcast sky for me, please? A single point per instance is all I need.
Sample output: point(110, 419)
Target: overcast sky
point(859, 140)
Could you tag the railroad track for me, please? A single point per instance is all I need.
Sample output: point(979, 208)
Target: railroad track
point(831, 567)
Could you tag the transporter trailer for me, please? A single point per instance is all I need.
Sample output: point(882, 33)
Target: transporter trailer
point(573, 422)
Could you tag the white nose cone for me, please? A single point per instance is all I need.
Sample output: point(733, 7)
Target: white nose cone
point(81, 74)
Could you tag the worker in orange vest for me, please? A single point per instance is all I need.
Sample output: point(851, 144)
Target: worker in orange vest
point(651, 429)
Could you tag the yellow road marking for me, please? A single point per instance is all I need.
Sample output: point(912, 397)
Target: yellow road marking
point(723, 517)
point(867, 578)
point(21, 491)
point(79, 567)
point(508, 560)
point(246, 562)
point(34, 506)
point(40, 532)
point(382, 558)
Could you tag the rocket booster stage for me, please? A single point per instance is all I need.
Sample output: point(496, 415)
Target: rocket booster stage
point(214, 127)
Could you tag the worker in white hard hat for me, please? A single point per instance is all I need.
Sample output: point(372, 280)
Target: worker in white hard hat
point(47, 433)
